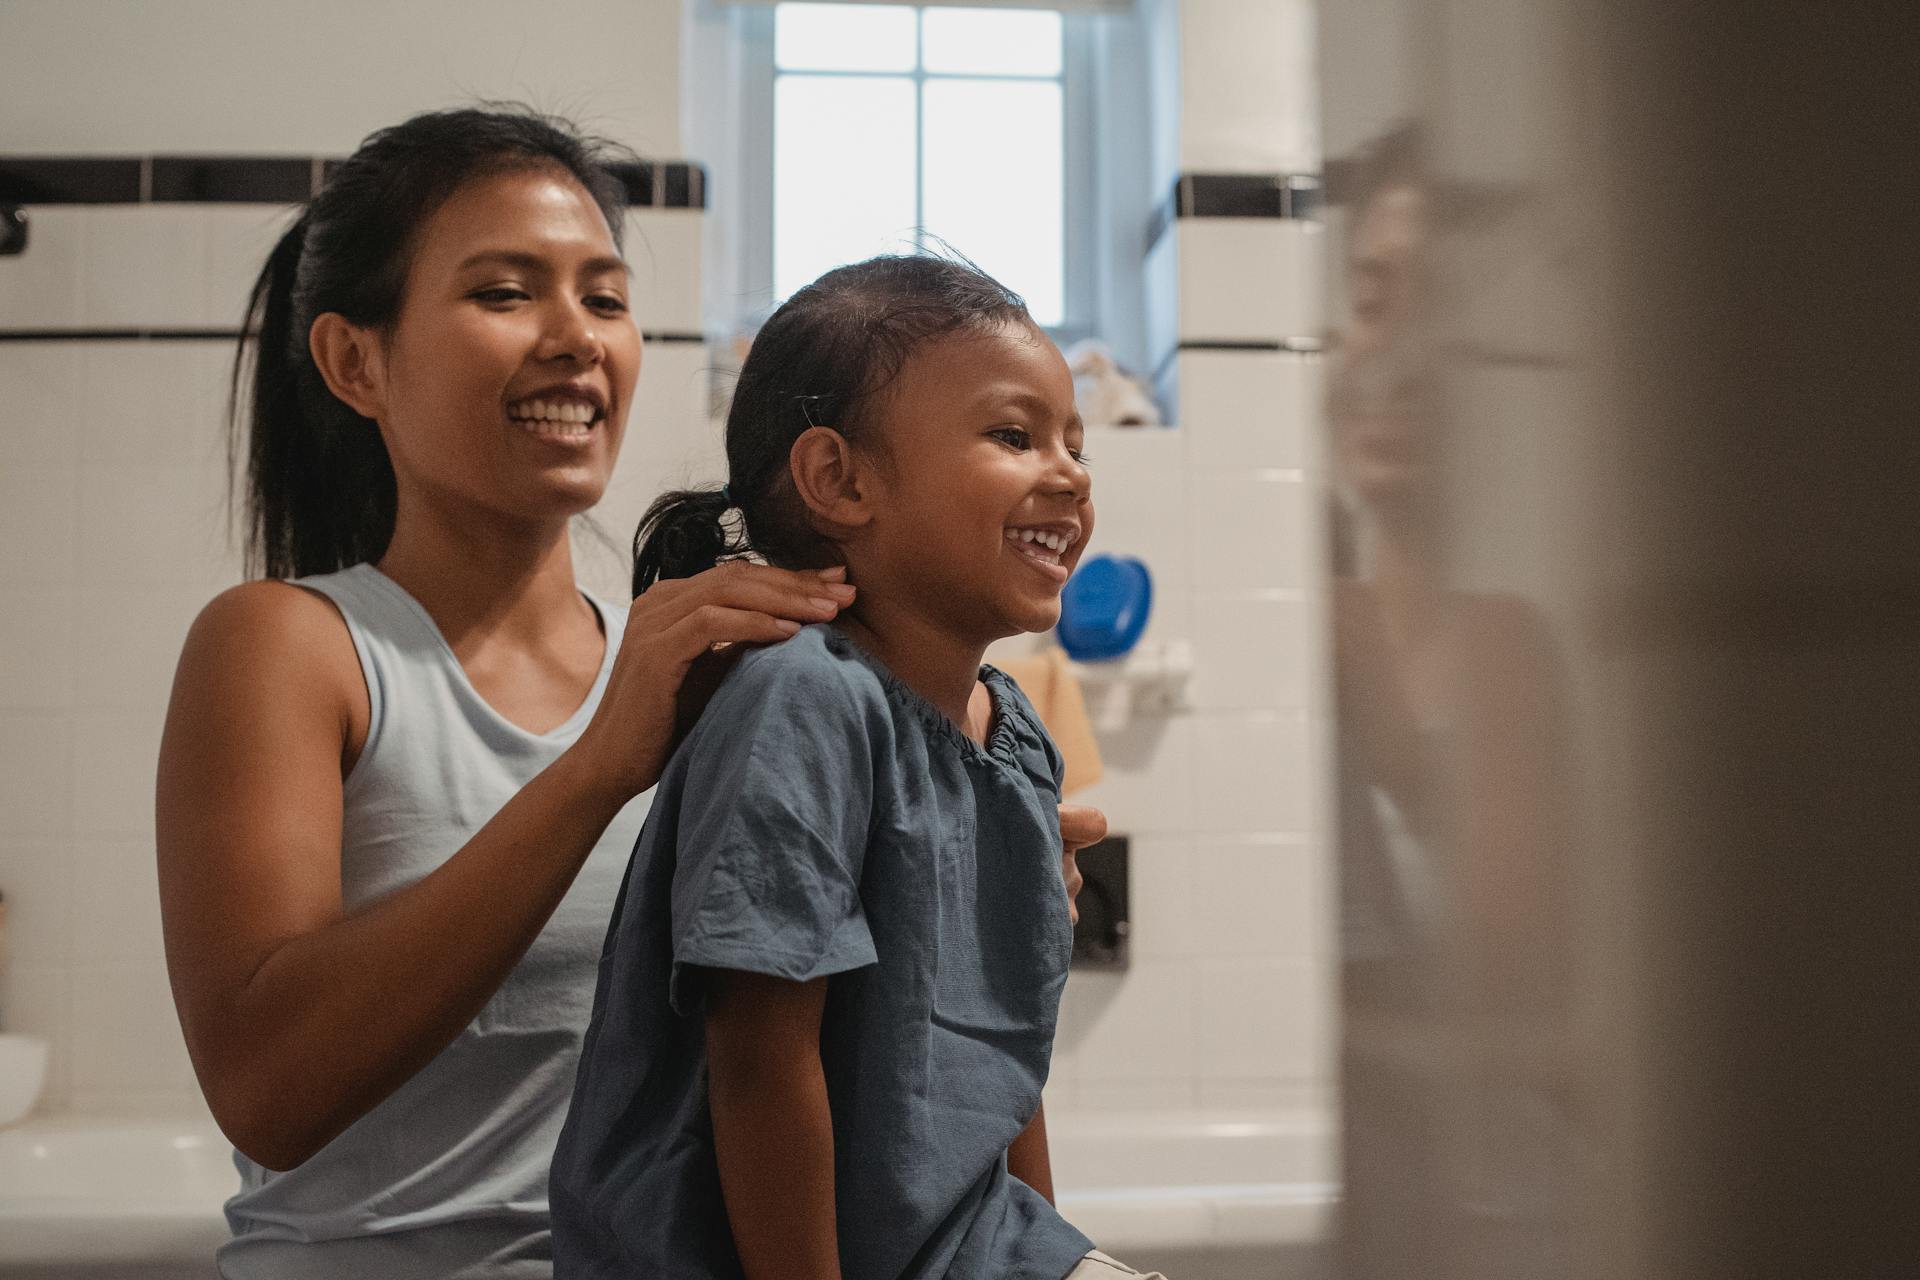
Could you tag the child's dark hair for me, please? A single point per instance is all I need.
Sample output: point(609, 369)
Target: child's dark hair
point(319, 485)
point(822, 359)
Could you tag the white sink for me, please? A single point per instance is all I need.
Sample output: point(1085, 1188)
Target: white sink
point(87, 1191)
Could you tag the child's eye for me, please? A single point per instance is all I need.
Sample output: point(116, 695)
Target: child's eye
point(1012, 437)
point(611, 304)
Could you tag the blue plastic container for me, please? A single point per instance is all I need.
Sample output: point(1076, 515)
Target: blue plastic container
point(1104, 608)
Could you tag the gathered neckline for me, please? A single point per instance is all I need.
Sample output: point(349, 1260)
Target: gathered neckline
point(1002, 731)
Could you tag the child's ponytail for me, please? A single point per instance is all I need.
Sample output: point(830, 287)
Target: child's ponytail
point(683, 533)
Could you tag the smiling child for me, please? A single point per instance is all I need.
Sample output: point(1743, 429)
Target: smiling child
point(827, 1002)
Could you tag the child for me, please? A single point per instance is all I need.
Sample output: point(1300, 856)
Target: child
point(827, 1000)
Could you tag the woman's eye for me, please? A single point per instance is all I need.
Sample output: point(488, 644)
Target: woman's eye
point(1012, 437)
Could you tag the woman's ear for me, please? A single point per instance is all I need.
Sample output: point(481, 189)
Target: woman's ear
point(349, 358)
point(831, 481)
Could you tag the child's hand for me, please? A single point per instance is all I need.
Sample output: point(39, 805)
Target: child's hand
point(1080, 826)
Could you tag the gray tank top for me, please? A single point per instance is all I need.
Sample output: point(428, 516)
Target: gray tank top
point(448, 1176)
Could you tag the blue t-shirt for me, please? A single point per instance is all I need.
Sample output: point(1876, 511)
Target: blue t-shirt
point(824, 819)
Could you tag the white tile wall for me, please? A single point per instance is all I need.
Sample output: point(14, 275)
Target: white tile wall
point(238, 239)
point(1251, 409)
point(1226, 1004)
point(41, 386)
point(1249, 279)
point(145, 265)
point(40, 289)
point(664, 248)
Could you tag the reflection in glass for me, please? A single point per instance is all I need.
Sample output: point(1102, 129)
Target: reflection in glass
point(1454, 827)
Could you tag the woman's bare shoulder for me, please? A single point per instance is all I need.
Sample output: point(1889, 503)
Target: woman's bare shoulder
point(269, 631)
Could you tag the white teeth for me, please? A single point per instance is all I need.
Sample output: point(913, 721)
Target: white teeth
point(552, 411)
point(1055, 542)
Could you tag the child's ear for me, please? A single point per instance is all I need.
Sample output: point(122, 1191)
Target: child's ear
point(831, 480)
point(350, 360)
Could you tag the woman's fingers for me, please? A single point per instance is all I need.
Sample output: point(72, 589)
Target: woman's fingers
point(803, 595)
point(1081, 825)
point(707, 625)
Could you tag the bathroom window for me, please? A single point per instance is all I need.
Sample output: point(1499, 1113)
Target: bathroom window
point(894, 127)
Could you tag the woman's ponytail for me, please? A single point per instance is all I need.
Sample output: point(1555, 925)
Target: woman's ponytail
point(683, 533)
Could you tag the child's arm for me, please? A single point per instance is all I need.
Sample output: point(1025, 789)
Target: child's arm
point(772, 1129)
point(1027, 1158)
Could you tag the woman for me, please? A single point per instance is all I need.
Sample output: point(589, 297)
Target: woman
point(395, 794)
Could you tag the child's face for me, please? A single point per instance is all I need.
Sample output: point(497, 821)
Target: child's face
point(981, 447)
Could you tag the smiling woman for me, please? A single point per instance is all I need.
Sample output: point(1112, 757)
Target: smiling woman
point(516, 314)
point(395, 783)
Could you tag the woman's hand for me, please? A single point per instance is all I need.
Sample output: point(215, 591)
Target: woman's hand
point(1080, 826)
point(671, 631)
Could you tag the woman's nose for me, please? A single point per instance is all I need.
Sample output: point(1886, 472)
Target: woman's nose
point(573, 334)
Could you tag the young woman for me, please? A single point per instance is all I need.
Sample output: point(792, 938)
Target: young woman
point(827, 1004)
point(397, 778)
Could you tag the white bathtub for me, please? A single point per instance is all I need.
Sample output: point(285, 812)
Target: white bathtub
point(1201, 1196)
point(112, 1199)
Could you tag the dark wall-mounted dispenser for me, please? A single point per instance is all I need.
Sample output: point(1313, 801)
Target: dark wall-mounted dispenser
point(13, 230)
point(1100, 937)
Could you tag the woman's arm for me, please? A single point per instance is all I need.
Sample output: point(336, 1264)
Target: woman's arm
point(772, 1127)
point(301, 1017)
point(1028, 1158)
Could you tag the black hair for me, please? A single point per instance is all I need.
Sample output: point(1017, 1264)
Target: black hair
point(822, 359)
point(320, 491)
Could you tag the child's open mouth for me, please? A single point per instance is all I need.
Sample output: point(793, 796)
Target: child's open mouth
point(563, 420)
point(1044, 545)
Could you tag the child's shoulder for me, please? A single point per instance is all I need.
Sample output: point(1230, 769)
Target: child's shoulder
point(817, 668)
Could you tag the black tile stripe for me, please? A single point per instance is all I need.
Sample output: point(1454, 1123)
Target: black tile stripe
point(663, 184)
point(1236, 195)
point(30, 180)
point(36, 180)
point(220, 179)
point(190, 334)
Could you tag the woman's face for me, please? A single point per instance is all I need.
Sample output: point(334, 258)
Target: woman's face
point(1380, 383)
point(509, 370)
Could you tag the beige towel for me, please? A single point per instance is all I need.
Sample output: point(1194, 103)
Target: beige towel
point(1054, 691)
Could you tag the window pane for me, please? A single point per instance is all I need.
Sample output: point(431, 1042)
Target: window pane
point(992, 42)
point(842, 173)
point(844, 37)
point(995, 183)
